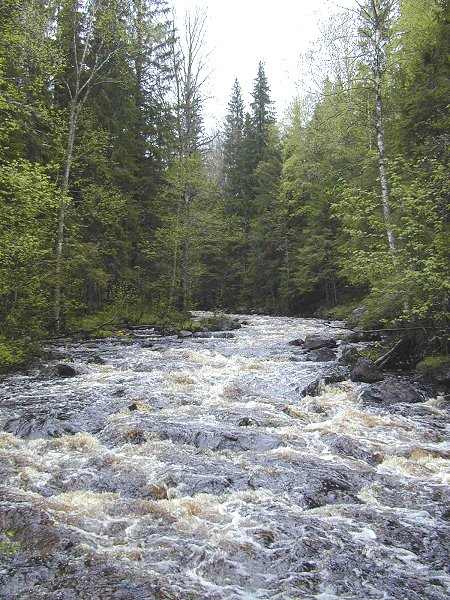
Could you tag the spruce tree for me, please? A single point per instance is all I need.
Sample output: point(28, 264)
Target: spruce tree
point(262, 112)
point(233, 150)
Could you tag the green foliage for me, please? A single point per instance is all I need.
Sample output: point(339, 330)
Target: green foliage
point(413, 284)
point(28, 201)
point(16, 354)
point(430, 363)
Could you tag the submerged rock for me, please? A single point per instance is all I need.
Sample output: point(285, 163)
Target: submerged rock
point(321, 355)
point(96, 359)
point(366, 371)
point(336, 375)
point(349, 354)
point(312, 389)
point(214, 334)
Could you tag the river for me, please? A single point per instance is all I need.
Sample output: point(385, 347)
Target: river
point(194, 469)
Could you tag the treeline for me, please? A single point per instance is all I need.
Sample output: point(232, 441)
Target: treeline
point(347, 202)
point(116, 202)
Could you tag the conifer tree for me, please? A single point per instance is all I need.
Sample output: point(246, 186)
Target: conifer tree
point(262, 112)
point(233, 149)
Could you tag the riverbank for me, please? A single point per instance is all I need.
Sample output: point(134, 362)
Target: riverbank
point(20, 354)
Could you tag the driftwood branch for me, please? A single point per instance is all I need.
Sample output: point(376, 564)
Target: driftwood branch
point(391, 329)
point(382, 360)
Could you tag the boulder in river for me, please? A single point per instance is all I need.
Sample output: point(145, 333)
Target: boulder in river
point(366, 371)
point(220, 323)
point(185, 334)
point(313, 342)
point(392, 391)
point(312, 389)
point(64, 370)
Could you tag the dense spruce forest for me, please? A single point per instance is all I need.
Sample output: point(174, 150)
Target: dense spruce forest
point(119, 205)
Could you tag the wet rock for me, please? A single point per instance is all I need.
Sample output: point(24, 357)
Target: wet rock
point(39, 426)
point(321, 355)
point(334, 375)
point(209, 484)
point(220, 441)
point(313, 342)
point(366, 371)
point(157, 348)
point(246, 422)
point(147, 344)
point(344, 445)
point(312, 389)
point(125, 341)
point(298, 342)
point(64, 370)
point(30, 528)
point(392, 391)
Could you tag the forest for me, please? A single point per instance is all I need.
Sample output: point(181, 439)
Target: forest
point(119, 205)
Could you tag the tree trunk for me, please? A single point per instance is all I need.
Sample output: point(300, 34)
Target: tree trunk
point(173, 283)
point(382, 166)
point(62, 214)
point(186, 275)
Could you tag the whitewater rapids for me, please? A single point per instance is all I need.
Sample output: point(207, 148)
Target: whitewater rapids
point(194, 469)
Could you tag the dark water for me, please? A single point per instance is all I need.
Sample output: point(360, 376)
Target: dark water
point(196, 470)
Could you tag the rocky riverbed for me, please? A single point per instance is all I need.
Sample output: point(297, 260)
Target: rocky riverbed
point(223, 466)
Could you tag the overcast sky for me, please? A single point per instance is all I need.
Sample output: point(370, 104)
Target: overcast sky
point(242, 32)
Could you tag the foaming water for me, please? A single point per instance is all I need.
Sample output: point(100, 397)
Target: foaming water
point(196, 469)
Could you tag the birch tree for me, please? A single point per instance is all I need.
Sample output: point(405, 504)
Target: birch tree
point(89, 61)
point(375, 18)
point(190, 76)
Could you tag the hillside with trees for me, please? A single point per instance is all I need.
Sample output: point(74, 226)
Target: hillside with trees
point(118, 205)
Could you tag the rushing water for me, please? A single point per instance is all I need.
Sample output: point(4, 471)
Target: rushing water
point(196, 470)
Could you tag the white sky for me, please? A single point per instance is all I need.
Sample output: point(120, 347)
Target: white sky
point(242, 32)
